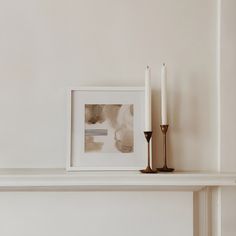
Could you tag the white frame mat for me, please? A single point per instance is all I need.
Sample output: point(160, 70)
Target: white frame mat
point(79, 160)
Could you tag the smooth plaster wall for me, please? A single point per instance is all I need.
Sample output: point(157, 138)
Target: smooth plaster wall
point(95, 214)
point(228, 112)
point(47, 46)
point(228, 85)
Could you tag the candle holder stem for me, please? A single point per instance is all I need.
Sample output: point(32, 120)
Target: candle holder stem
point(164, 147)
point(148, 170)
point(165, 168)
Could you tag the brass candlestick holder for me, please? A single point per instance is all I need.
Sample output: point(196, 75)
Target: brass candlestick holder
point(148, 170)
point(165, 168)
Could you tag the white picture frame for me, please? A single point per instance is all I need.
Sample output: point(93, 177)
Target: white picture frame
point(80, 160)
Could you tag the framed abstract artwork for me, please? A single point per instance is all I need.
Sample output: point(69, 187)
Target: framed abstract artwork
point(106, 128)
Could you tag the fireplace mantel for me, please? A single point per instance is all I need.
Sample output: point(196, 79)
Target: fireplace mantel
point(59, 179)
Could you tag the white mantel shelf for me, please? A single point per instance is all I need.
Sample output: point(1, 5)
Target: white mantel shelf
point(60, 180)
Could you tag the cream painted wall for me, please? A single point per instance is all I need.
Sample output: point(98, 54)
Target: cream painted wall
point(48, 45)
point(95, 214)
point(228, 85)
point(228, 112)
point(228, 211)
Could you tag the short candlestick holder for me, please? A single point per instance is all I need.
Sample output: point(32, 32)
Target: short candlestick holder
point(165, 168)
point(148, 170)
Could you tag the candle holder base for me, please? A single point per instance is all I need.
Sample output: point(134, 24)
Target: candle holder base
point(148, 170)
point(165, 169)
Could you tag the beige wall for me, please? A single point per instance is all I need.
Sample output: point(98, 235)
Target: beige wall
point(228, 112)
point(49, 45)
point(228, 85)
point(95, 214)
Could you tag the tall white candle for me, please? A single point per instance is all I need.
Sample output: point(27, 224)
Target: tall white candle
point(163, 96)
point(148, 102)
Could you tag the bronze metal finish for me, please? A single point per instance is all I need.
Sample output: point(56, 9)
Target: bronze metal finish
point(148, 170)
point(165, 168)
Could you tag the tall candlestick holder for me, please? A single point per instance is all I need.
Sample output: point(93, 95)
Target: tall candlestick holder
point(148, 170)
point(165, 168)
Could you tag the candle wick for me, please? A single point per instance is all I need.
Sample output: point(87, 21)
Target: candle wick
point(147, 67)
point(164, 64)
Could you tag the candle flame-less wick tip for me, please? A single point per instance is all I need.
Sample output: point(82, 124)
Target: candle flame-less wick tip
point(147, 67)
point(164, 64)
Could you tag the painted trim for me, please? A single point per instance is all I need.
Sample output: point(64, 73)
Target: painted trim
point(59, 179)
point(218, 73)
point(104, 88)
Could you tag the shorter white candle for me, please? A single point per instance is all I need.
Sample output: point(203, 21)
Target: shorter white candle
point(163, 96)
point(148, 103)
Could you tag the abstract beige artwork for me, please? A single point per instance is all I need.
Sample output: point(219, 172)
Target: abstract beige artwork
point(109, 128)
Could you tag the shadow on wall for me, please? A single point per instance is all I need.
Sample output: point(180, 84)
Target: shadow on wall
point(184, 124)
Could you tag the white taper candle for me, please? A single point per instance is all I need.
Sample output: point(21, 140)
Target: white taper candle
point(163, 96)
point(148, 102)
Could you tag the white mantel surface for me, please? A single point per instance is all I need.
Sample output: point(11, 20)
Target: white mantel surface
point(59, 179)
